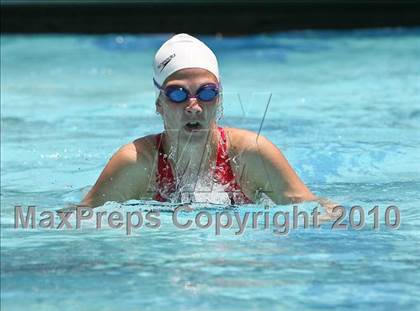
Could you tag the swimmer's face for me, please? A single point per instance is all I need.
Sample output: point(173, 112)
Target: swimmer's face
point(191, 117)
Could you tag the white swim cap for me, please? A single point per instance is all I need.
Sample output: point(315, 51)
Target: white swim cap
point(183, 51)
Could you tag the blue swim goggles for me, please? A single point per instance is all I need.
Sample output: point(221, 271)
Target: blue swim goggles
point(178, 94)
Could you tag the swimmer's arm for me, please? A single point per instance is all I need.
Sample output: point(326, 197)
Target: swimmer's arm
point(265, 169)
point(275, 177)
point(122, 179)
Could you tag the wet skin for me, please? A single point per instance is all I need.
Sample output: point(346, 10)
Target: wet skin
point(259, 166)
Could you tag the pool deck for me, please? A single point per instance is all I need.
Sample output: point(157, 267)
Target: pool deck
point(205, 17)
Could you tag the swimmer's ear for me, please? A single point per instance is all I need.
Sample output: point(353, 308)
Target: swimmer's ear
point(158, 106)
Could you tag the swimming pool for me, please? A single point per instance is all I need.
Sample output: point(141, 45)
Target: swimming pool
point(344, 109)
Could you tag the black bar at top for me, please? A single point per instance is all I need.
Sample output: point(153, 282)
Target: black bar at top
point(229, 18)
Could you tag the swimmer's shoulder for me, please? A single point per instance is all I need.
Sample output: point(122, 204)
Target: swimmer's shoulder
point(241, 140)
point(140, 152)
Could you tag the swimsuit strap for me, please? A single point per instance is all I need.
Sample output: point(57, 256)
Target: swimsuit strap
point(223, 171)
point(164, 178)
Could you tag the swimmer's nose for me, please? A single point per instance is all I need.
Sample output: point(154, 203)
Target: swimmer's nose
point(193, 107)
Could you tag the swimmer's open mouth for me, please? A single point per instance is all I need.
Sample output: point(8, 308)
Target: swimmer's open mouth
point(193, 126)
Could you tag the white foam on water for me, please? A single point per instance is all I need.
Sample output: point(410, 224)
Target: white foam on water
point(205, 194)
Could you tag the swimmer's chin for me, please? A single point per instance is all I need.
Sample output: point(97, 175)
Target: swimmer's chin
point(199, 132)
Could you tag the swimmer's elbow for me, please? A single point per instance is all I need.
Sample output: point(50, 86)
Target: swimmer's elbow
point(92, 199)
point(89, 202)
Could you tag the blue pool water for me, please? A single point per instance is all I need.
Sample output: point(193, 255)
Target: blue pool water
point(344, 109)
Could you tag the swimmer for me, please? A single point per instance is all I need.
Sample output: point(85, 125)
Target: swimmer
point(192, 147)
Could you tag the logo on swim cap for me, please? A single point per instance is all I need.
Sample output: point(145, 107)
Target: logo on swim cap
point(166, 61)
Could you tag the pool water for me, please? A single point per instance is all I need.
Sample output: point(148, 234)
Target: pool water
point(343, 106)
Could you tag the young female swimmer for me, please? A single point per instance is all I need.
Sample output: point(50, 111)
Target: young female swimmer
point(192, 146)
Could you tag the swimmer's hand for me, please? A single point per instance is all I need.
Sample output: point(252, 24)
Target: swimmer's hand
point(328, 205)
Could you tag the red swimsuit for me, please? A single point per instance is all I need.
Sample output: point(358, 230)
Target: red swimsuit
point(223, 174)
